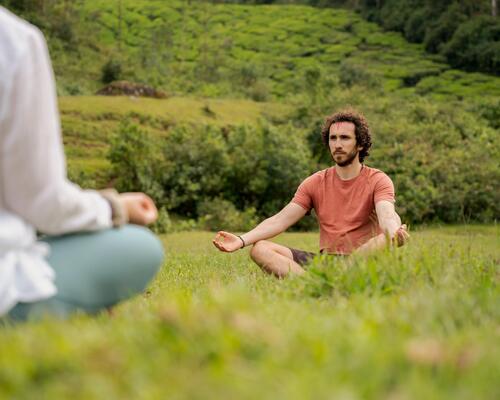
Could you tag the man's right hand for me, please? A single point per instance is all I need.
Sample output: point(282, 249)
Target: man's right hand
point(227, 242)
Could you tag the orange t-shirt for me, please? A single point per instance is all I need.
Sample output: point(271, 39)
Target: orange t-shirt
point(345, 209)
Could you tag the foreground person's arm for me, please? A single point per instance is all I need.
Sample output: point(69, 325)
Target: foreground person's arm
point(270, 227)
point(33, 178)
point(390, 224)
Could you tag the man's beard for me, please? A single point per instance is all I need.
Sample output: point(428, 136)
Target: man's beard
point(349, 158)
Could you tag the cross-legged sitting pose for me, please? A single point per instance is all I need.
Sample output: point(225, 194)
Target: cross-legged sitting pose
point(354, 205)
point(79, 262)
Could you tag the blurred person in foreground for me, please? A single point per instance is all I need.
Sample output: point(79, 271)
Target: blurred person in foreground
point(354, 205)
point(80, 264)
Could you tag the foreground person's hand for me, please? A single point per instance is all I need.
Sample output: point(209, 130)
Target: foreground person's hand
point(227, 242)
point(140, 208)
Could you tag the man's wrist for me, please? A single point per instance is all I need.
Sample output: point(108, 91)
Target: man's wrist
point(243, 243)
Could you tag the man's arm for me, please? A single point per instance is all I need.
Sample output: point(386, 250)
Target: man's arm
point(390, 223)
point(267, 229)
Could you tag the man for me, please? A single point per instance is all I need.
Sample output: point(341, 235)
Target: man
point(354, 205)
point(81, 264)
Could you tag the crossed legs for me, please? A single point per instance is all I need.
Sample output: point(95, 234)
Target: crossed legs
point(274, 259)
point(96, 270)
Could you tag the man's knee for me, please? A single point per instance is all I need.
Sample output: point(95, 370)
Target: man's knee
point(260, 251)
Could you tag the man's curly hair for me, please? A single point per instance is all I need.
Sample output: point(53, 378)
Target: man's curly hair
point(362, 130)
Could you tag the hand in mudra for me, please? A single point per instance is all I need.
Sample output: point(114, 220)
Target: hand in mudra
point(227, 242)
point(140, 208)
point(402, 236)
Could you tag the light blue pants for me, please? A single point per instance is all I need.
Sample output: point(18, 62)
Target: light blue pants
point(96, 270)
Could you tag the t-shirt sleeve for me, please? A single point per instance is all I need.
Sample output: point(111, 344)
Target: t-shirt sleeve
point(304, 194)
point(384, 189)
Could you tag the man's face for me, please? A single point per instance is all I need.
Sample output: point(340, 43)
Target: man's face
point(342, 143)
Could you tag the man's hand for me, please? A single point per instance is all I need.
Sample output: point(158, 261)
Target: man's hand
point(402, 236)
point(227, 242)
point(140, 208)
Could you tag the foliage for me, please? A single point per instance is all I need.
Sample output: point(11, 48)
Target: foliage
point(475, 45)
point(262, 53)
point(216, 214)
point(462, 31)
point(111, 71)
point(255, 169)
point(135, 159)
point(431, 123)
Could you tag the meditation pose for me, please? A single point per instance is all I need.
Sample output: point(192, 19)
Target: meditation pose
point(354, 205)
point(79, 262)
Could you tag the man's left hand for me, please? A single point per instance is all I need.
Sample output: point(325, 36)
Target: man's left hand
point(401, 236)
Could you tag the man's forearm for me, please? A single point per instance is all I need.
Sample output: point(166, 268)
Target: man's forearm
point(375, 243)
point(267, 229)
point(383, 240)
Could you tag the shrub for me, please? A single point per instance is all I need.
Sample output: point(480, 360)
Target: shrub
point(111, 71)
point(136, 161)
point(163, 224)
point(415, 26)
point(351, 74)
point(443, 28)
point(476, 45)
point(195, 167)
point(216, 214)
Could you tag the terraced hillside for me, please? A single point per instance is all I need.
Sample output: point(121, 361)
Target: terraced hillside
point(261, 52)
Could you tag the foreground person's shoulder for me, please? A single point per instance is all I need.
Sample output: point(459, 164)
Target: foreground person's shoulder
point(17, 39)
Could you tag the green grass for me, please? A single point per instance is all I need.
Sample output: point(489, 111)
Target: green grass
point(419, 323)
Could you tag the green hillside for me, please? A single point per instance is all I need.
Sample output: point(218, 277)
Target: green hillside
point(261, 52)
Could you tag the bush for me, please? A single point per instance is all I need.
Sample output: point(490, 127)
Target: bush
point(111, 71)
point(163, 224)
point(353, 74)
point(195, 167)
point(415, 26)
point(216, 214)
point(476, 45)
point(136, 161)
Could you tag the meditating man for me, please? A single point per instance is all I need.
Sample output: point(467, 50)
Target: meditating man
point(354, 205)
point(80, 263)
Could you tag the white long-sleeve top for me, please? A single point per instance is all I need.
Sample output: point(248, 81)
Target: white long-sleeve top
point(35, 194)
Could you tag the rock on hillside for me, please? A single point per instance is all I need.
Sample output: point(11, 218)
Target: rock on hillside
point(126, 88)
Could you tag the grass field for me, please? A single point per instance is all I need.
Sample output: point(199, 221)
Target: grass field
point(420, 323)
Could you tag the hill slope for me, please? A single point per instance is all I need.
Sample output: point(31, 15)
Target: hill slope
point(261, 52)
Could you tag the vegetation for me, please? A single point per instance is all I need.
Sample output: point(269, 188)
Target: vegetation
point(418, 323)
point(466, 32)
point(430, 122)
point(247, 88)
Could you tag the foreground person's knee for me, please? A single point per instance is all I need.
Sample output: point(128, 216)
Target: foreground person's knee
point(140, 240)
